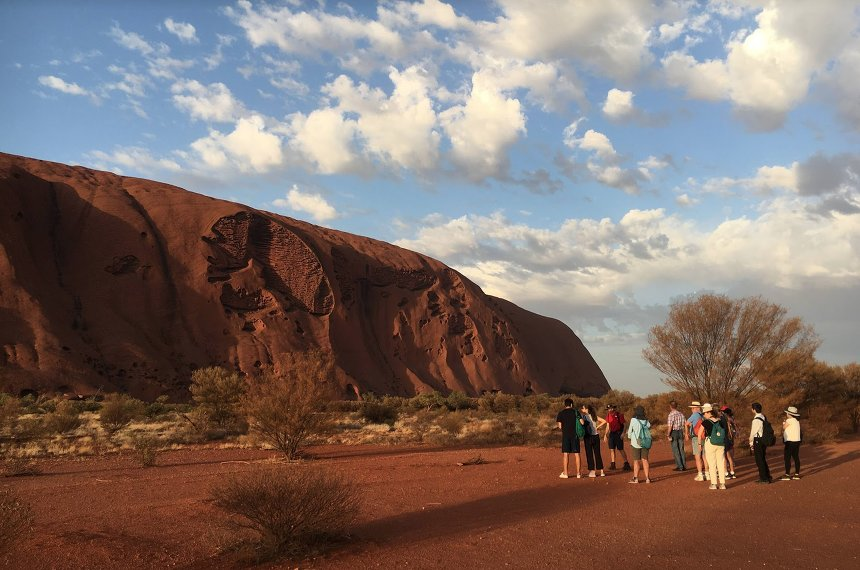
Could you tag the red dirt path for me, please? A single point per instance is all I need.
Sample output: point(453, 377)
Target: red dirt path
point(421, 510)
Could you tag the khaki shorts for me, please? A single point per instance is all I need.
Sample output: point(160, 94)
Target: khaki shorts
point(639, 452)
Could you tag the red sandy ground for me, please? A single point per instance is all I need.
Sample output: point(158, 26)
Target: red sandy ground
point(421, 510)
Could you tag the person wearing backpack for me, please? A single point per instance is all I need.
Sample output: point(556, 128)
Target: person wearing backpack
point(791, 437)
point(614, 435)
point(761, 435)
point(639, 433)
point(675, 435)
point(716, 430)
point(572, 431)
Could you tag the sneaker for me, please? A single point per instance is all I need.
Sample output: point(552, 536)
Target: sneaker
point(713, 487)
point(602, 474)
point(627, 467)
point(647, 480)
point(612, 466)
point(707, 476)
point(579, 475)
point(722, 487)
point(699, 477)
point(732, 475)
point(592, 474)
point(785, 477)
point(634, 480)
point(564, 476)
point(796, 477)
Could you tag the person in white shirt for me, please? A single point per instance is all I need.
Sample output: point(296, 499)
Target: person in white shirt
point(757, 446)
point(791, 438)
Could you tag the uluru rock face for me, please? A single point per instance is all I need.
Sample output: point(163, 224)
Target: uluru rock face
point(123, 284)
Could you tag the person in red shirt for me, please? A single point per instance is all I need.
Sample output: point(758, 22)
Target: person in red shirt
point(614, 435)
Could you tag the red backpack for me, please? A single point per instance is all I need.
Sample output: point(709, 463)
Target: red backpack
point(615, 420)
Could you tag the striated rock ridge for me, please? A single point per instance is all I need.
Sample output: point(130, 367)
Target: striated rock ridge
point(117, 283)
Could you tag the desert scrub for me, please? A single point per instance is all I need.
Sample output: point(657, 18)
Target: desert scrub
point(64, 419)
point(219, 392)
point(119, 410)
point(146, 448)
point(452, 422)
point(16, 519)
point(379, 413)
point(286, 409)
point(292, 510)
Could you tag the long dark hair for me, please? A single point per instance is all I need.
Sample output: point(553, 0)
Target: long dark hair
point(592, 412)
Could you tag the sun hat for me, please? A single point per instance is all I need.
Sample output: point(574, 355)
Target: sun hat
point(707, 408)
point(724, 408)
point(696, 405)
point(792, 411)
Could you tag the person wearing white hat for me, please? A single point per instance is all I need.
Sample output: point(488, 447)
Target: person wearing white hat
point(791, 438)
point(716, 430)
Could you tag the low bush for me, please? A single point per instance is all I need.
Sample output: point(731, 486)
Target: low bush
point(379, 413)
point(452, 422)
point(16, 519)
point(146, 449)
point(64, 419)
point(286, 409)
point(292, 510)
point(219, 391)
point(10, 409)
point(119, 410)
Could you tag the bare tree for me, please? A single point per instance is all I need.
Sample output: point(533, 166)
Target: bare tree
point(717, 348)
point(286, 408)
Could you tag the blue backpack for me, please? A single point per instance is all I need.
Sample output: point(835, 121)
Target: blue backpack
point(644, 438)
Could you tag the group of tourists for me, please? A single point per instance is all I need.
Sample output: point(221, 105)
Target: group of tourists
point(711, 430)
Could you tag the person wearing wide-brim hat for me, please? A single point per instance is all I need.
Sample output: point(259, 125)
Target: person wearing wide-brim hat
point(791, 437)
point(692, 422)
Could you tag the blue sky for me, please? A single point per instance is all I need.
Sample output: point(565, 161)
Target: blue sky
point(590, 161)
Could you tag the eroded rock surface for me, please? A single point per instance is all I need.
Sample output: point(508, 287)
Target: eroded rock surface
point(116, 283)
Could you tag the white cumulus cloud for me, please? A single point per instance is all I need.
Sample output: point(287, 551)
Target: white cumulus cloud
point(182, 30)
point(313, 204)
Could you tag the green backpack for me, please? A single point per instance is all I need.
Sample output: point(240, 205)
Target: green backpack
point(580, 429)
point(718, 434)
point(644, 439)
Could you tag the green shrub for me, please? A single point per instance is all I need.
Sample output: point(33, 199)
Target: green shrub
point(291, 510)
point(379, 413)
point(427, 401)
point(119, 410)
point(158, 408)
point(459, 401)
point(10, 410)
point(16, 520)
point(220, 392)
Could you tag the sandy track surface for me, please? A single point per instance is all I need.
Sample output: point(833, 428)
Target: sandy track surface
point(422, 510)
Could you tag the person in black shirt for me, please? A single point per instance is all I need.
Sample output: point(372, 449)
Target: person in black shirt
point(567, 420)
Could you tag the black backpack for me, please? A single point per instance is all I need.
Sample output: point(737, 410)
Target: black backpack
point(768, 437)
